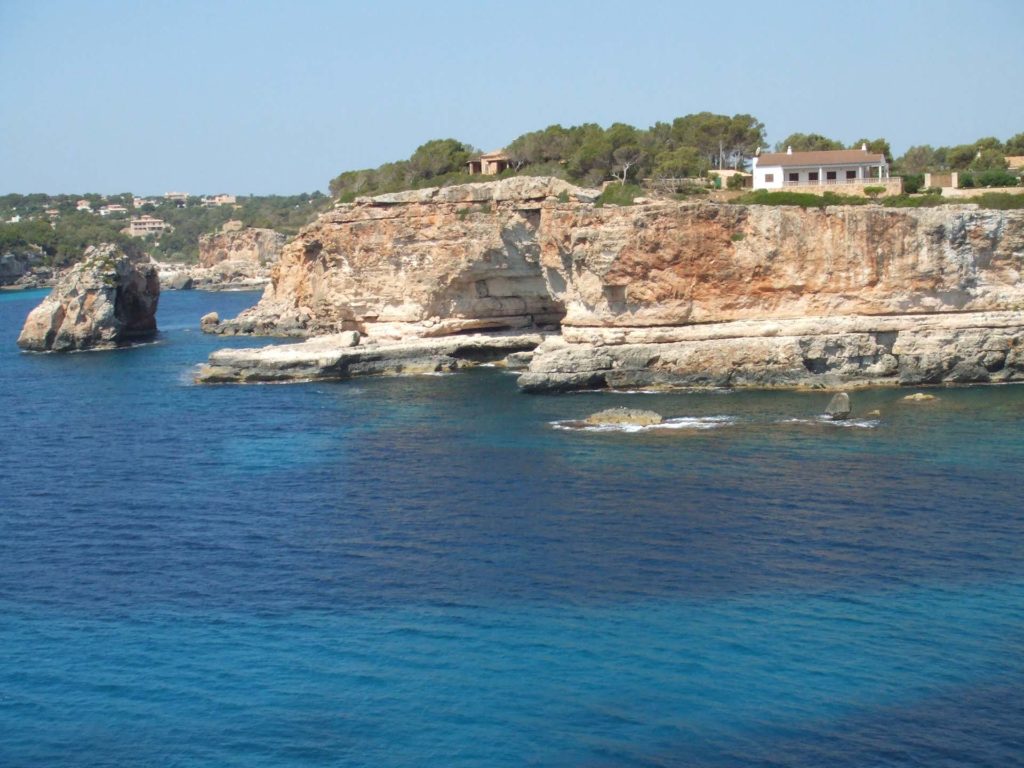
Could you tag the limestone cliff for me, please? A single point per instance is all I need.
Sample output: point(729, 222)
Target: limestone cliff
point(422, 263)
point(249, 244)
point(236, 258)
point(667, 293)
point(103, 301)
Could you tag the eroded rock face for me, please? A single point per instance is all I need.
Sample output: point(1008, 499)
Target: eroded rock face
point(250, 244)
point(423, 263)
point(103, 301)
point(666, 294)
point(733, 296)
point(236, 258)
point(669, 264)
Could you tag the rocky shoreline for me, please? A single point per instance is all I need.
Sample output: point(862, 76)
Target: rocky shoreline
point(343, 356)
point(657, 295)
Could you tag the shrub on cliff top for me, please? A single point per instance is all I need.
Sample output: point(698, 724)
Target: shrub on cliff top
point(619, 194)
point(802, 199)
point(1002, 201)
point(913, 182)
point(921, 201)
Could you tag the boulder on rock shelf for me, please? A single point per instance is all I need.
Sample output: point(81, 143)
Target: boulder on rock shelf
point(838, 407)
point(103, 301)
point(631, 416)
point(209, 320)
point(178, 281)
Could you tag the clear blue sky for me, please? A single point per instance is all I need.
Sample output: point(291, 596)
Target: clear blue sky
point(278, 97)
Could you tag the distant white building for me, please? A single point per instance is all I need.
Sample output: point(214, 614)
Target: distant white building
point(83, 205)
point(106, 210)
point(827, 168)
point(218, 200)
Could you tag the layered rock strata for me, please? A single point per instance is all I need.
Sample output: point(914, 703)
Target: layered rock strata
point(105, 300)
point(667, 294)
point(428, 262)
point(341, 356)
point(246, 244)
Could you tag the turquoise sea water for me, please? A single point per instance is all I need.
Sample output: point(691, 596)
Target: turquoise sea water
point(436, 571)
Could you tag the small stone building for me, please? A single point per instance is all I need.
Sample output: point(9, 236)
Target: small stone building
point(490, 164)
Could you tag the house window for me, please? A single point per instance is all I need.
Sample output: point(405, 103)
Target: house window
point(769, 178)
point(830, 175)
point(812, 176)
point(851, 174)
point(794, 177)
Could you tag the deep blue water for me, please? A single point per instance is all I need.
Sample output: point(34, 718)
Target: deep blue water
point(428, 571)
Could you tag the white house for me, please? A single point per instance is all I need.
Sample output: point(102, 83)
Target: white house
point(778, 170)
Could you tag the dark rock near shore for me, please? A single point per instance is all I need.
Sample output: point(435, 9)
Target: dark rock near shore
point(838, 407)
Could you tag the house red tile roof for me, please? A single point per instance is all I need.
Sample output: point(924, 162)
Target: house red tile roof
point(821, 158)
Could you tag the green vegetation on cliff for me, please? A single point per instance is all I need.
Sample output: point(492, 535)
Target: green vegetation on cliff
point(685, 148)
point(585, 154)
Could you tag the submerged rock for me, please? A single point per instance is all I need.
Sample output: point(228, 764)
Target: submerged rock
point(838, 407)
point(631, 416)
point(105, 300)
point(919, 397)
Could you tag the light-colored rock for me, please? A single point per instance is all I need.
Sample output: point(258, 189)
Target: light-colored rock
point(176, 281)
point(209, 319)
point(249, 244)
point(103, 301)
point(631, 416)
point(920, 397)
point(234, 259)
point(838, 407)
point(343, 356)
point(666, 293)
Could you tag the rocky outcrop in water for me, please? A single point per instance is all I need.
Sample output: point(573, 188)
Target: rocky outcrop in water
point(838, 407)
point(103, 301)
point(667, 294)
point(343, 356)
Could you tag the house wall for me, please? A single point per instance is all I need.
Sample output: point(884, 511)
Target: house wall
point(761, 174)
point(781, 176)
point(893, 186)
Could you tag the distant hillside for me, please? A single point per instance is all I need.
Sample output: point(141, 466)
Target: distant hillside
point(63, 226)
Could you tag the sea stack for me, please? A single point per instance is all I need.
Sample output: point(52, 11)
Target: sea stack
point(107, 299)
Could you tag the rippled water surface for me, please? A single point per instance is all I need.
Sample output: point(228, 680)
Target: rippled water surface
point(442, 571)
